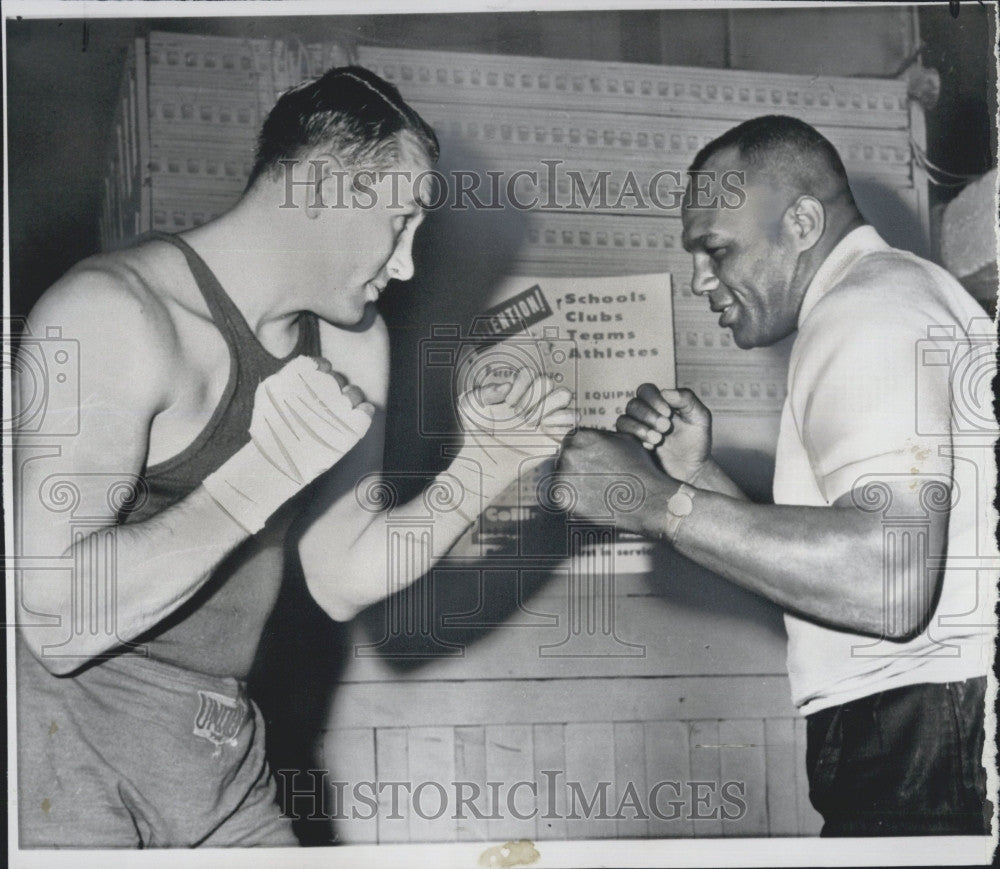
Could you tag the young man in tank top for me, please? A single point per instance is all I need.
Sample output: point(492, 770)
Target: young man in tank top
point(218, 394)
point(880, 545)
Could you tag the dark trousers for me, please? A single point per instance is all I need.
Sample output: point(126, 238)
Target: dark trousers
point(905, 762)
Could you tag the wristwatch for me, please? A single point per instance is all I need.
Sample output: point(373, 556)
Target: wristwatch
point(679, 506)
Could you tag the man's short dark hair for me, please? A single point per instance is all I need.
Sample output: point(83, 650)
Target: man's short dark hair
point(349, 110)
point(785, 151)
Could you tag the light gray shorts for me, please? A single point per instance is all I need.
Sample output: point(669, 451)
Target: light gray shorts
point(138, 753)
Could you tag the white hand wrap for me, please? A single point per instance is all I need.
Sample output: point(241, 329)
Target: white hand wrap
point(503, 439)
point(302, 425)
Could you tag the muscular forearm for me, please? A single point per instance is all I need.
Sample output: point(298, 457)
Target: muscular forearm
point(824, 563)
point(711, 477)
point(509, 429)
point(125, 579)
point(829, 563)
point(396, 547)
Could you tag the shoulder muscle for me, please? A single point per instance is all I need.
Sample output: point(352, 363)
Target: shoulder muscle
point(115, 327)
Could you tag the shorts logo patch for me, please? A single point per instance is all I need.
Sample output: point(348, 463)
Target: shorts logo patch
point(219, 718)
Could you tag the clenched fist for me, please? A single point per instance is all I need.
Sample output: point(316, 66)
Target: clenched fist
point(675, 424)
point(305, 420)
point(510, 428)
point(593, 463)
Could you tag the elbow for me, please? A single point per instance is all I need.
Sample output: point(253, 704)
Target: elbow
point(335, 598)
point(904, 633)
point(341, 610)
point(61, 667)
point(59, 651)
point(334, 590)
point(56, 664)
point(904, 604)
point(896, 599)
point(901, 627)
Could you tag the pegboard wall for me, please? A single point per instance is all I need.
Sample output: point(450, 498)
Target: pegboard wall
point(191, 106)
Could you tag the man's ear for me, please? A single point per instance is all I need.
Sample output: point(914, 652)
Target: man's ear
point(331, 179)
point(806, 218)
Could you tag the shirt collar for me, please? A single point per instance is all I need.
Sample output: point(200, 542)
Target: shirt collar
point(848, 250)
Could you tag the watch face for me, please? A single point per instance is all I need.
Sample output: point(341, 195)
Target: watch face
point(680, 504)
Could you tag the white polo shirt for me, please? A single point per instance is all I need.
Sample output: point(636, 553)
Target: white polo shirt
point(882, 334)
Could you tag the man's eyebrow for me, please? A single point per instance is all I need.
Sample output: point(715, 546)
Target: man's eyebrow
point(709, 238)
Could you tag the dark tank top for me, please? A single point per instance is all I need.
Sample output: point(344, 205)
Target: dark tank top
point(217, 631)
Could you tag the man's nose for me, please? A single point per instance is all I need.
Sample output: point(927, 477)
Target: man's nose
point(703, 280)
point(401, 263)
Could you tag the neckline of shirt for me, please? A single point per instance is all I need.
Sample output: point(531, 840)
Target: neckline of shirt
point(847, 251)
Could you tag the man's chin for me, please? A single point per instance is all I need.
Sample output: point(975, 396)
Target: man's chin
point(752, 341)
point(368, 316)
point(743, 340)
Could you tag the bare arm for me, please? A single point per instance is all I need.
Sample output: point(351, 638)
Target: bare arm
point(831, 564)
point(825, 563)
point(345, 551)
point(99, 584)
point(112, 582)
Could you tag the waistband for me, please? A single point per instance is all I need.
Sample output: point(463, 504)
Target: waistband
point(915, 688)
point(122, 672)
point(139, 666)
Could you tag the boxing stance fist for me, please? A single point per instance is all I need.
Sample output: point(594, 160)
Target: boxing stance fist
point(675, 424)
point(593, 462)
point(305, 419)
point(510, 428)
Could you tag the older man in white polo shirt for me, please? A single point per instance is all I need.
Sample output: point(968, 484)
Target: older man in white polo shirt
point(882, 486)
